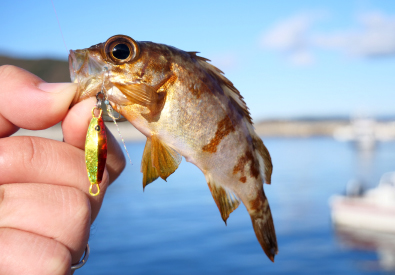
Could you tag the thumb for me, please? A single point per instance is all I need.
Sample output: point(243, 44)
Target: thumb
point(29, 102)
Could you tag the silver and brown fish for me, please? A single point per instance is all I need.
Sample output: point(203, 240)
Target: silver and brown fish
point(185, 107)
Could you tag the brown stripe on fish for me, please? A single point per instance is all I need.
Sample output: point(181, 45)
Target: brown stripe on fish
point(198, 88)
point(260, 203)
point(243, 179)
point(248, 157)
point(199, 82)
point(224, 128)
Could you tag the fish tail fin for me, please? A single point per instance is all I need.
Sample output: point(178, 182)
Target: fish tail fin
point(262, 222)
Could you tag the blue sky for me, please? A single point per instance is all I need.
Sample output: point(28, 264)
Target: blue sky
point(287, 58)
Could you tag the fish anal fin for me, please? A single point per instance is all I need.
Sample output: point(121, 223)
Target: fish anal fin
point(150, 173)
point(226, 200)
point(164, 159)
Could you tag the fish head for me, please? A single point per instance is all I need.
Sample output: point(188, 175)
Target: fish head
point(125, 70)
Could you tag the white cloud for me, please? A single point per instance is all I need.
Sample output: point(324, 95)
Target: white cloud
point(375, 36)
point(289, 34)
point(291, 37)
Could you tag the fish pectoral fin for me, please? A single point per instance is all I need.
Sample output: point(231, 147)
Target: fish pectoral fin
point(226, 200)
point(140, 93)
point(150, 173)
point(164, 159)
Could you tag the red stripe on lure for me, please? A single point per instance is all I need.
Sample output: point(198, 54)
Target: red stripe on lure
point(96, 151)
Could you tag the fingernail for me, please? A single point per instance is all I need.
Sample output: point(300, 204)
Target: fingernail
point(57, 87)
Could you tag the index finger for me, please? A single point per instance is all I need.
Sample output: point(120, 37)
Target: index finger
point(29, 102)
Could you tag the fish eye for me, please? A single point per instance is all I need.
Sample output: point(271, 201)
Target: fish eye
point(120, 49)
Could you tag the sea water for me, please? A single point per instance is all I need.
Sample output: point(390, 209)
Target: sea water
point(174, 227)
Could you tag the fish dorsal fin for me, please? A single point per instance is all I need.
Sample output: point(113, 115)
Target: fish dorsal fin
point(226, 200)
point(159, 160)
point(149, 171)
point(227, 86)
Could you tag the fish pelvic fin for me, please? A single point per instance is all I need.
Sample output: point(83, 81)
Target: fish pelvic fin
point(263, 225)
point(226, 200)
point(159, 160)
point(150, 173)
point(165, 159)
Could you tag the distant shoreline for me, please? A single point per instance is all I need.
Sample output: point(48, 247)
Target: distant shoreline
point(272, 128)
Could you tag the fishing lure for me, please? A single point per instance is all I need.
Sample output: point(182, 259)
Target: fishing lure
point(96, 150)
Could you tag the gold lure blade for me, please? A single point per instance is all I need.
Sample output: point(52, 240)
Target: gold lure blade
point(95, 151)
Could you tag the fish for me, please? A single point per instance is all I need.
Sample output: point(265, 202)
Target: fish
point(185, 107)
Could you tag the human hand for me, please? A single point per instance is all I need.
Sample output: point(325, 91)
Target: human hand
point(45, 207)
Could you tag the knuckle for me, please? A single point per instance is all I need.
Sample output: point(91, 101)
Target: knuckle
point(31, 151)
point(24, 153)
point(58, 262)
point(76, 217)
point(78, 205)
point(23, 157)
point(28, 253)
point(8, 71)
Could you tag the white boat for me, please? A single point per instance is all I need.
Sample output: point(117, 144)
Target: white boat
point(370, 210)
point(364, 132)
point(361, 131)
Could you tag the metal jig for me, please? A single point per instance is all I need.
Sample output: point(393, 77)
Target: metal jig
point(96, 148)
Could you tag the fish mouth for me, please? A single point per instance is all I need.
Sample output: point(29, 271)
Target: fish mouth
point(83, 64)
point(89, 71)
point(75, 64)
